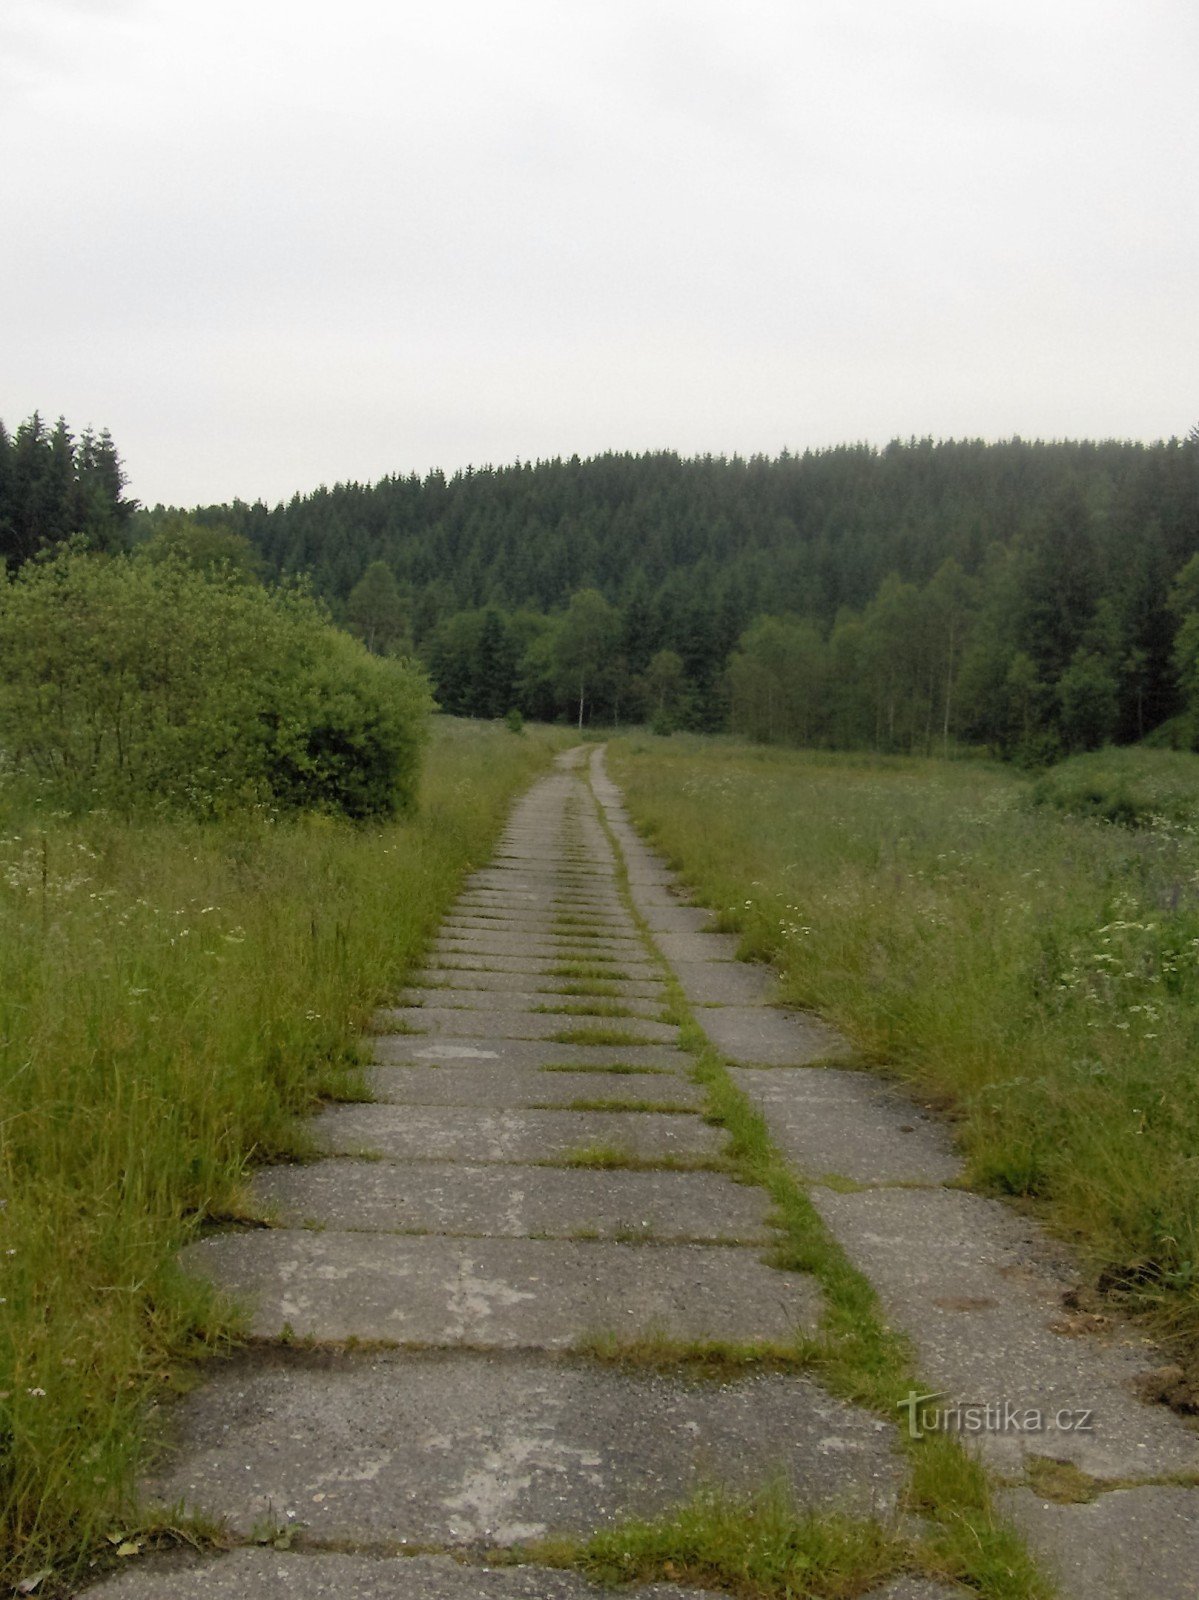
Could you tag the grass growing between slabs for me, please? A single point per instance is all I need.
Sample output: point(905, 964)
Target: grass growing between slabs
point(173, 996)
point(756, 1548)
point(999, 944)
point(762, 1547)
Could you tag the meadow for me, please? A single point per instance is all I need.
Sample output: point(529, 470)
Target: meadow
point(1024, 961)
point(174, 996)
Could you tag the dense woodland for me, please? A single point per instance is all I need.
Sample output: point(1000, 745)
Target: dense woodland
point(1023, 596)
point(53, 485)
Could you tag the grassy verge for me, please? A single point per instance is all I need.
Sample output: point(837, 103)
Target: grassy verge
point(172, 998)
point(1034, 969)
point(760, 1546)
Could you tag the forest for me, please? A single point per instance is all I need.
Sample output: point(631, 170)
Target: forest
point(1028, 598)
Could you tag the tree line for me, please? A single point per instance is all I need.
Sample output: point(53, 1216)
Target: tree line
point(1025, 596)
point(1021, 595)
point(53, 485)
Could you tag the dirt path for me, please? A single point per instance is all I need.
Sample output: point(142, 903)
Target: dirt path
point(533, 1181)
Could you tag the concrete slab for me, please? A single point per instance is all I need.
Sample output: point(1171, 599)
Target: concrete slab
point(1132, 1544)
point(459, 960)
point(697, 946)
point(451, 1022)
point(919, 1589)
point(675, 918)
point(553, 920)
point(311, 1575)
point(829, 1121)
point(569, 895)
point(726, 983)
point(469, 1133)
point(419, 1050)
point(510, 895)
point(516, 944)
point(764, 1036)
point(464, 1448)
point(493, 1001)
point(973, 1285)
point(542, 985)
point(529, 1294)
point(463, 929)
point(510, 1088)
point(512, 1201)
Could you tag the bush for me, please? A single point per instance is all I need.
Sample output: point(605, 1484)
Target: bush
point(130, 683)
point(1135, 786)
point(514, 722)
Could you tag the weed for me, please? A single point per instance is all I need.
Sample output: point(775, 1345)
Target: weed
point(583, 971)
point(618, 1069)
point(614, 1158)
point(594, 1008)
point(758, 1547)
point(617, 1038)
point(651, 1107)
point(1061, 1481)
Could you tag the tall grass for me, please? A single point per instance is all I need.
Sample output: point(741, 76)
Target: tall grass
point(172, 997)
point(1035, 969)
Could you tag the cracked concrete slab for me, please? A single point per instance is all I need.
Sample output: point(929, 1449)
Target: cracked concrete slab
point(463, 961)
point(449, 1022)
point(421, 1050)
point(290, 1575)
point(726, 983)
point(830, 1121)
point(500, 1293)
point(471, 1133)
point(919, 1589)
point(585, 912)
point(675, 918)
point(480, 942)
point(511, 1088)
point(973, 1285)
point(460, 1449)
point(541, 985)
point(766, 1036)
point(529, 1001)
point(686, 947)
point(513, 1201)
point(1131, 1544)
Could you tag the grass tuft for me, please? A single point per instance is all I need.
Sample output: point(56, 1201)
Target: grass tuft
point(614, 1158)
point(755, 1547)
point(617, 1038)
point(618, 1069)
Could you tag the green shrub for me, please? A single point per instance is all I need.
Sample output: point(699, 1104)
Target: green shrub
point(1135, 787)
point(514, 722)
point(132, 682)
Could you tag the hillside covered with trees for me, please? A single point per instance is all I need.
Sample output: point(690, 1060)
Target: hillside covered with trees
point(1024, 596)
point(1029, 597)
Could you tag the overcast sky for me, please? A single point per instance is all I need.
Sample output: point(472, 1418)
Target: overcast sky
point(277, 244)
